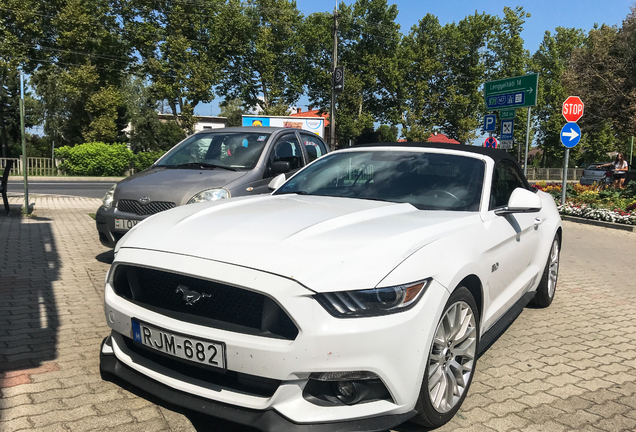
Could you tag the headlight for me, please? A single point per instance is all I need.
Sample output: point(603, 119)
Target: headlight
point(107, 201)
point(210, 195)
point(372, 302)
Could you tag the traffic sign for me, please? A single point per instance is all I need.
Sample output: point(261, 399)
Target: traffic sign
point(573, 109)
point(505, 144)
point(490, 121)
point(570, 134)
point(506, 114)
point(338, 79)
point(507, 127)
point(514, 92)
point(490, 142)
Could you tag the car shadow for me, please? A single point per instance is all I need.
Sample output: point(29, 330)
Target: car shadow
point(29, 317)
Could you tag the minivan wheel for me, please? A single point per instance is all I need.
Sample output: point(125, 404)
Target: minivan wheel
point(451, 361)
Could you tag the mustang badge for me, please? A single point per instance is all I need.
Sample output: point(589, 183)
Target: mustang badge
point(190, 296)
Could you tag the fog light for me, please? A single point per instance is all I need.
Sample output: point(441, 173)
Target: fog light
point(346, 391)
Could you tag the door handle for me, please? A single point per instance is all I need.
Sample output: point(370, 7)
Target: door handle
point(537, 222)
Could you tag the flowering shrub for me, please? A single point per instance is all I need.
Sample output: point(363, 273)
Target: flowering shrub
point(602, 214)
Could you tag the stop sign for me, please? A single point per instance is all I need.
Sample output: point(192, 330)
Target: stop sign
point(573, 109)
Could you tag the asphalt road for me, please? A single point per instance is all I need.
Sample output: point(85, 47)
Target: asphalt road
point(89, 189)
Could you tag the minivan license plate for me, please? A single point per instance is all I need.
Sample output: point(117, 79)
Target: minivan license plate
point(125, 224)
point(204, 352)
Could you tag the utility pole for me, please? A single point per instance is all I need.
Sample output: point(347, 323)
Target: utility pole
point(332, 117)
point(25, 166)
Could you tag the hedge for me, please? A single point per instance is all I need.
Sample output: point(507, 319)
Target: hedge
point(143, 160)
point(95, 159)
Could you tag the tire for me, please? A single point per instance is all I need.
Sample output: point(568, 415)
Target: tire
point(547, 286)
point(452, 355)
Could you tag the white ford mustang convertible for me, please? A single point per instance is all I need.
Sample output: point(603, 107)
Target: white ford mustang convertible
point(357, 296)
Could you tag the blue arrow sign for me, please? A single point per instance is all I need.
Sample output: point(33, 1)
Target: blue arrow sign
point(490, 121)
point(570, 134)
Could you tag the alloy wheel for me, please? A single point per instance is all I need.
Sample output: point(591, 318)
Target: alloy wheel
point(452, 358)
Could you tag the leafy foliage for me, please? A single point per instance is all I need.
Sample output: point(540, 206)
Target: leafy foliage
point(95, 159)
point(144, 160)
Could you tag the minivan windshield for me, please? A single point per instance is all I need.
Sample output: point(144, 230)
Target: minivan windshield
point(227, 150)
point(428, 181)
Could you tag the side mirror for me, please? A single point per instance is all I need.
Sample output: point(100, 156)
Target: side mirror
point(277, 181)
point(280, 167)
point(521, 201)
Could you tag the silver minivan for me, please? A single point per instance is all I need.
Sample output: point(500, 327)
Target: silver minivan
point(207, 166)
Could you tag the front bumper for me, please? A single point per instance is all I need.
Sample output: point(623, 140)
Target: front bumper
point(394, 347)
point(265, 420)
point(105, 223)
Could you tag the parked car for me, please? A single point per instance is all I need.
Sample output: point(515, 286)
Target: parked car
point(207, 166)
point(593, 174)
point(357, 296)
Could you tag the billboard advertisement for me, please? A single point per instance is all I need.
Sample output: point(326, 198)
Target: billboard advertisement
point(311, 124)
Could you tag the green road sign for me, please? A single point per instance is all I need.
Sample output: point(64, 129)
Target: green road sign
point(516, 92)
point(507, 114)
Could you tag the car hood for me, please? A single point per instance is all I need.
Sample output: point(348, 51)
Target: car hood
point(173, 184)
point(325, 243)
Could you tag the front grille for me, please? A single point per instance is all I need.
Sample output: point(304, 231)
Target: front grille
point(251, 384)
point(203, 302)
point(132, 206)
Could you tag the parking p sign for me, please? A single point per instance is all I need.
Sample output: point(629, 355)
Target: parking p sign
point(490, 121)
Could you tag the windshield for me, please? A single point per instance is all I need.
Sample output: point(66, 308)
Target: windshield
point(234, 150)
point(428, 181)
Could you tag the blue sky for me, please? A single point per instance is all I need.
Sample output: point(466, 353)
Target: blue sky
point(545, 15)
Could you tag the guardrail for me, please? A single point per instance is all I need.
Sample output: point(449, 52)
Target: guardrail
point(35, 166)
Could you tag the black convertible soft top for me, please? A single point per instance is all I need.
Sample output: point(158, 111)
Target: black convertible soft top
point(495, 154)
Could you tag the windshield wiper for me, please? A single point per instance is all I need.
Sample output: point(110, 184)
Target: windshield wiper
point(203, 165)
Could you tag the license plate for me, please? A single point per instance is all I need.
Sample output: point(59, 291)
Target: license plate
point(204, 352)
point(125, 224)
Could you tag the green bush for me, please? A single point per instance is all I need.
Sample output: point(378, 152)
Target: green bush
point(95, 159)
point(143, 160)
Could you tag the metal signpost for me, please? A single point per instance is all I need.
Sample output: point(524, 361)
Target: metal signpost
point(570, 134)
point(511, 93)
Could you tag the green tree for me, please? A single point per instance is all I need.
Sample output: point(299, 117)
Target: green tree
point(232, 109)
point(551, 60)
point(506, 57)
point(266, 67)
point(464, 61)
point(184, 48)
point(81, 72)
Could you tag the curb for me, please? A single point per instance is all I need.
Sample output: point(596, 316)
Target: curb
point(64, 178)
point(603, 224)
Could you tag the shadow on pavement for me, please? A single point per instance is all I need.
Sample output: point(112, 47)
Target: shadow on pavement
point(29, 319)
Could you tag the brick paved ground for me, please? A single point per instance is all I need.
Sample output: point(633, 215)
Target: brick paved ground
point(571, 367)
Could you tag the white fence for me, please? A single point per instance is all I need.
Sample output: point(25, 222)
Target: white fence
point(36, 166)
point(554, 174)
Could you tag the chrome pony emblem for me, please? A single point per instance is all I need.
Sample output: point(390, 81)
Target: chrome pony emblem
point(190, 296)
point(144, 199)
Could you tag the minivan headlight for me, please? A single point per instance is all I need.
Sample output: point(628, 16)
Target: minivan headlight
point(210, 195)
point(372, 302)
point(107, 201)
